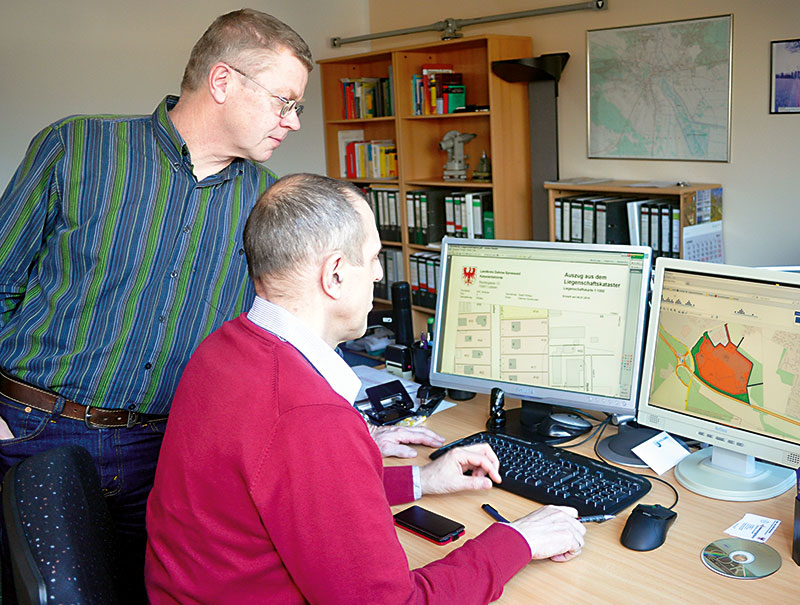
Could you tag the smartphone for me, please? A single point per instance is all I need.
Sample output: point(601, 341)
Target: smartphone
point(429, 525)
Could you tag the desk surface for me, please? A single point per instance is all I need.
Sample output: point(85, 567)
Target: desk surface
point(606, 571)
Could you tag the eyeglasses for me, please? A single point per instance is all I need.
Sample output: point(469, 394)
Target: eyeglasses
point(288, 104)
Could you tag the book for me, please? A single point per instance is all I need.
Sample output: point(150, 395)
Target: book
point(411, 217)
point(432, 215)
point(360, 97)
point(454, 96)
point(557, 228)
point(344, 137)
point(476, 204)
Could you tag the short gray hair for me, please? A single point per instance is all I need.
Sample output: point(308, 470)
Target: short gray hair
point(298, 220)
point(241, 37)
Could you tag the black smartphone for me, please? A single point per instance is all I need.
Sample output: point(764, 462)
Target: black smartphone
point(429, 525)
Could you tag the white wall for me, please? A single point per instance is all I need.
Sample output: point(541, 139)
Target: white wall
point(59, 58)
point(85, 56)
point(761, 183)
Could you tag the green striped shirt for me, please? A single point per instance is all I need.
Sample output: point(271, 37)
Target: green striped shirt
point(115, 262)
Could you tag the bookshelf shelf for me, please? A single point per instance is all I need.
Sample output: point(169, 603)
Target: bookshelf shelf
point(434, 182)
point(376, 182)
point(354, 121)
point(500, 132)
point(450, 116)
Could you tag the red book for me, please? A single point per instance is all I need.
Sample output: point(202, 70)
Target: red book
point(437, 68)
point(350, 154)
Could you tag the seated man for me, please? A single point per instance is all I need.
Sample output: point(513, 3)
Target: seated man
point(269, 487)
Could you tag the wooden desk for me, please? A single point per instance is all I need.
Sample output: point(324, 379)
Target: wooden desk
point(606, 571)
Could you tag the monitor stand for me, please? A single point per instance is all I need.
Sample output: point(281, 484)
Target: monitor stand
point(617, 448)
point(529, 422)
point(727, 475)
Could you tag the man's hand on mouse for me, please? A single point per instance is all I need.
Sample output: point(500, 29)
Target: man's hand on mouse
point(552, 532)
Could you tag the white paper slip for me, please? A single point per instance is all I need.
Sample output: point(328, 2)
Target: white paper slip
point(661, 452)
point(753, 527)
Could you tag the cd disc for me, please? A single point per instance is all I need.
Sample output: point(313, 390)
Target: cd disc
point(738, 558)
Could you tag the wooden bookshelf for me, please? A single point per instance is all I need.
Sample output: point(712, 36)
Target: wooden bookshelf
point(687, 197)
point(502, 131)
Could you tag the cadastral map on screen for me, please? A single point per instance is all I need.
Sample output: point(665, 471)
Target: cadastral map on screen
point(568, 337)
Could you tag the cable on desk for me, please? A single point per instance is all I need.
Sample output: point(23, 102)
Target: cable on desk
point(668, 484)
point(602, 428)
point(599, 427)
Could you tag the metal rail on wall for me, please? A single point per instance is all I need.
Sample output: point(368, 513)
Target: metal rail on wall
point(449, 27)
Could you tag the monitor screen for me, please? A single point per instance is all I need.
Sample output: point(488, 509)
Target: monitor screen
point(722, 366)
point(552, 323)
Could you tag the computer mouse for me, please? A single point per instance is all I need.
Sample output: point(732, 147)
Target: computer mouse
point(647, 526)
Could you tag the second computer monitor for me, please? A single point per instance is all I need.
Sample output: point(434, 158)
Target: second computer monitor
point(722, 366)
point(551, 323)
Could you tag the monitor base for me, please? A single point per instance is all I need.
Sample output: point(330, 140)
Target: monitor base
point(617, 448)
point(515, 427)
point(460, 395)
point(698, 473)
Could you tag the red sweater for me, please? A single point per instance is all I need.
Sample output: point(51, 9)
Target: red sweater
point(269, 488)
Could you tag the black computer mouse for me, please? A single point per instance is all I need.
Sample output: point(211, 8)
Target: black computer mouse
point(647, 526)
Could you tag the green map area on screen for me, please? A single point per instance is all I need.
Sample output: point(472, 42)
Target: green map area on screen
point(740, 375)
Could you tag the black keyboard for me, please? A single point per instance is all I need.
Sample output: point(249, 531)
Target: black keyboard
point(551, 475)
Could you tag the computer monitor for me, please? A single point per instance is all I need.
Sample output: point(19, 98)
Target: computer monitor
point(722, 365)
point(553, 324)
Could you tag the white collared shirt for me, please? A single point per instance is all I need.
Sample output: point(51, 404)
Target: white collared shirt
point(326, 361)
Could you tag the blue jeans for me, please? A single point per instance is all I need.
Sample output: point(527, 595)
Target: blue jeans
point(126, 461)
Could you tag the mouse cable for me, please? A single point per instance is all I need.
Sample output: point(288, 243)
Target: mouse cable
point(598, 427)
point(585, 414)
point(665, 482)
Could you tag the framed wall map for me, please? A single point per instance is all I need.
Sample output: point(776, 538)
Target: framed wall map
point(660, 91)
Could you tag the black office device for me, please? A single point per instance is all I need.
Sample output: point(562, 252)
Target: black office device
point(398, 319)
point(550, 475)
point(390, 402)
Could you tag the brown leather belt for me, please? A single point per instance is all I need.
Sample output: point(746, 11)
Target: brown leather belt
point(45, 401)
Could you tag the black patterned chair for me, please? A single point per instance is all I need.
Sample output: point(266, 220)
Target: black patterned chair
point(59, 530)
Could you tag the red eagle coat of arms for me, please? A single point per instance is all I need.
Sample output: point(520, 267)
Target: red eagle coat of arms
point(469, 275)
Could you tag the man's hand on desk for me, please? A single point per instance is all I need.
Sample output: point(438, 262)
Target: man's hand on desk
point(445, 475)
point(552, 532)
point(390, 439)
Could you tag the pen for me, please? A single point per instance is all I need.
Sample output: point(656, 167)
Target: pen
point(493, 513)
point(595, 518)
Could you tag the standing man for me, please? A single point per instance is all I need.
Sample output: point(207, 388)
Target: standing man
point(269, 487)
point(121, 249)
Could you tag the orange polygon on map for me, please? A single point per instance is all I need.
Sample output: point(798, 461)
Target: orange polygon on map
point(722, 367)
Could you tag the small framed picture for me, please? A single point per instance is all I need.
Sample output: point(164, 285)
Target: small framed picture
point(785, 76)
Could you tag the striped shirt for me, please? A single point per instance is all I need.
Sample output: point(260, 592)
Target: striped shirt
point(115, 262)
